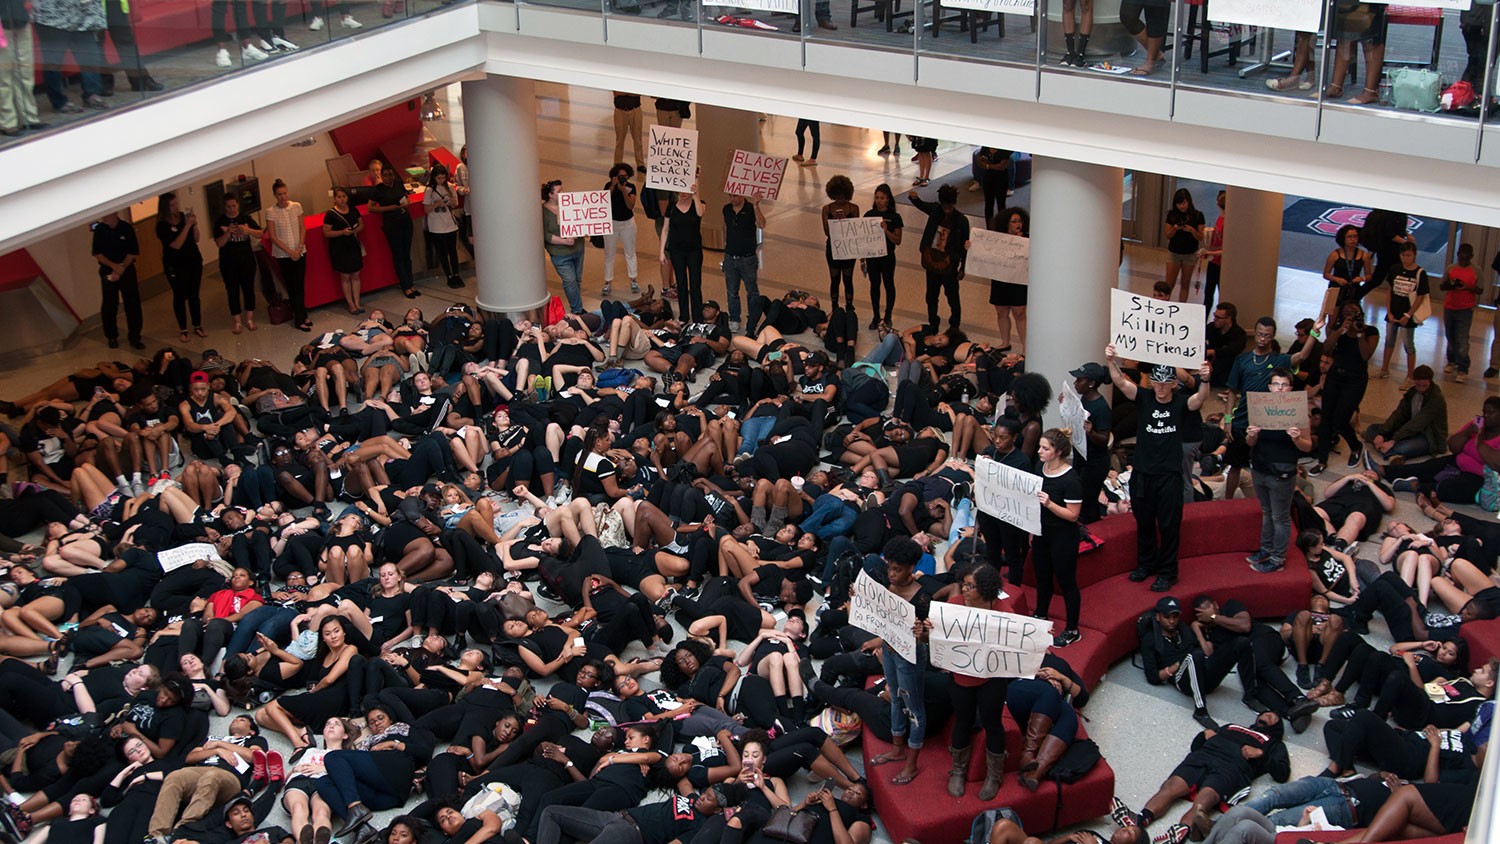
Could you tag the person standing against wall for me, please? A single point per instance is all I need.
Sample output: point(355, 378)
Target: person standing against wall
point(232, 233)
point(116, 250)
point(390, 200)
point(341, 227)
point(181, 261)
point(289, 248)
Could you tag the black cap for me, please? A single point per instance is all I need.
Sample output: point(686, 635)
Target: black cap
point(242, 797)
point(1169, 606)
point(1093, 371)
point(1163, 373)
point(816, 359)
point(712, 304)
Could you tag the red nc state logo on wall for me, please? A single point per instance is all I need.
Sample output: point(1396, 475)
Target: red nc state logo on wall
point(1330, 221)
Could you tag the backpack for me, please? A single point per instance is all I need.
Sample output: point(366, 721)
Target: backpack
point(845, 570)
point(555, 311)
point(617, 377)
point(1080, 758)
point(494, 797)
point(979, 830)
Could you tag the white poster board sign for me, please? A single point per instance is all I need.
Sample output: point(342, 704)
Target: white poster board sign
point(1153, 331)
point(1004, 7)
point(986, 643)
point(584, 213)
point(1008, 494)
point(1297, 15)
point(861, 237)
point(1277, 411)
point(785, 7)
point(185, 555)
point(998, 256)
point(1074, 414)
point(754, 174)
point(672, 158)
point(880, 611)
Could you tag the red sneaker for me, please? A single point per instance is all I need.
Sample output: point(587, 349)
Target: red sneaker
point(275, 766)
point(258, 764)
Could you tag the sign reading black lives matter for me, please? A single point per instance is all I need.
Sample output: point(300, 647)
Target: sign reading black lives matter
point(672, 158)
point(878, 610)
point(986, 643)
point(1154, 331)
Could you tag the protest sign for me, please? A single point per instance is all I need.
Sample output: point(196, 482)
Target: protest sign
point(986, 643)
point(1003, 7)
point(861, 237)
point(1297, 15)
point(784, 7)
point(878, 610)
point(1278, 411)
point(1074, 414)
point(997, 255)
point(754, 174)
point(1153, 331)
point(185, 555)
point(672, 158)
point(584, 213)
point(1008, 494)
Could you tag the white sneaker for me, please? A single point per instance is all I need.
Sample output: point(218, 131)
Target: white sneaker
point(1460, 377)
point(1450, 367)
point(253, 53)
point(317, 24)
point(348, 22)
point(221, 58)
point(282, 44)
point(264, 45)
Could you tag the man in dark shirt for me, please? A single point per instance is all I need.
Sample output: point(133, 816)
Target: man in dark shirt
point(1173, 654)
point(1156, 474)
point(672, 821)
point(1086, 381)
point(389, 199)
point(1224, 339)
point(945, 245)
point(743, 221)
point(1230, 627)
point(815, 391)
point(116, 250)
point(1250, 372)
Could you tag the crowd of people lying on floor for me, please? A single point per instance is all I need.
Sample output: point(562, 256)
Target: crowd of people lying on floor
point(442, 559)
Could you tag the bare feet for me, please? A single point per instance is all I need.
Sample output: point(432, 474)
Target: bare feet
point(251, 324)
point(237, 326)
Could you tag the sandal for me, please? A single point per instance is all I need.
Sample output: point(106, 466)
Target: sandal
point(1288, 83)
point(1333, 92)
point(237, 326)
point(183, 337)
point(250, 324)
point(1147, 69)
point(198, 329)
point(1366, 97)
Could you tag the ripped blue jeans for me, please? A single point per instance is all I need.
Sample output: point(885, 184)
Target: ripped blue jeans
point(905, 681)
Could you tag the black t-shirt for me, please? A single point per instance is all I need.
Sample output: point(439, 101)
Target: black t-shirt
point(619, 209)
point(384, 194)
point(739, 230)
point(713, 331)
point(1183, 242)
point(596, 467)
point(892, 223)
point(166, 232)
point(33, 439)
point(154, 722)
point(1346, 357)
point(1406, 287)
point(1158, 438)
point(704, 686)
point(1275, 453)
point(237, 249)
point(676, 819)
point(1331, 572)
point(1219, 635)
point(685, 228)
point(1064, 488)
point(1103, 420)
point(115, 243)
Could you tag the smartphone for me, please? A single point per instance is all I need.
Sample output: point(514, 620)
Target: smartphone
point(578, 641)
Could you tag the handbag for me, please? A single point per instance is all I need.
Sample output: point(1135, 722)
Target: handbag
point(279, 312)
point(789, 826)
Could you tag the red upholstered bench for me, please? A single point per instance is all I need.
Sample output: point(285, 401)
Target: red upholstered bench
point(1335, 835)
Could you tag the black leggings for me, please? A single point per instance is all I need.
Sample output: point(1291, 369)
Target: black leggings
point(294, 273)
point(185, 277)
point(1156, 19)
point(817, 136)
point(687, 269)
point(874, 712)
point(1054, 554)
point(1367, 736)
point(882, 274)
point(446, 244)
point(840, 274)
point(1341, 398)
point(988, 698)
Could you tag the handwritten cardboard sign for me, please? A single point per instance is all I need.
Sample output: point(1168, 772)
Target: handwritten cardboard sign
point(998, 256)
point(584, 213)
point(860, 237)
point(1008, 494)
point(754, 174)
point(986, 643)
point(1154, 331)
point(1003, 7)
point(880, 611)
point(672, 158)
point(172, 559)
point(1296, 15)
point(1278, 411)
point(1074, 414)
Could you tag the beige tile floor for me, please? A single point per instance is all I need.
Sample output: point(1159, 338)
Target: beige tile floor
point(576, 142)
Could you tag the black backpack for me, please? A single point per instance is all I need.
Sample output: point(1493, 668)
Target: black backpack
point(1080, 758)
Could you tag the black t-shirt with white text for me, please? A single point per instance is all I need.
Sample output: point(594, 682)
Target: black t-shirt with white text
point(1158, 438)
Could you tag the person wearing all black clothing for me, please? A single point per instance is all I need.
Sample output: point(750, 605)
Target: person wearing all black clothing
point(1267, 688)
point(1225, 339)
point(234, 233)
point(743, 221)
point(945, 245)
point(1054, 554)
point(181, 261)
point(1086, 382)
point(116, 249)
point(1172, 653)
point(674, 820)
point(1352, 343)
point(682, 245)
point(882, 270)
point(377, 772)
point(1156, 478)
point(390, 200)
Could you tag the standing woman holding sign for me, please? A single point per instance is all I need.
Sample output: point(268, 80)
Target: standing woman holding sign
point(682, 244)
point(566, 253)
point(840, 273)
point(1009, 298)
point(882, 270)
point(905, 681)
point(1054, 554)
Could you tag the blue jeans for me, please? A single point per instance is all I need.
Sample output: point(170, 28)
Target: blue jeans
point(1409, 447)
point(753, 430)
point(744, 268)
point(1457, 323)
point(275, 622)
point(887, 352)
point(905, 681)
point(1291, 797)
point(963, 516)
point(830, 516)
point(570, 270)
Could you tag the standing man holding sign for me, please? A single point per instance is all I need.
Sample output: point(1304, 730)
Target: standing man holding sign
point(1156, 478)
point(1251, 373)
point(1273, 466)
point(904, 680)
point(743, 221)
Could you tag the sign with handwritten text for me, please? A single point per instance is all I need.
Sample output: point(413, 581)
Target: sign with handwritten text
point(1004, 7)
point(754, 174)
point(1155, 331)
point(1297, 15)
point(1278, 411)
point(672, 158)
point(986, 643)
point(998, 256)
point(584, 213)
point(859, 237)
point(878, 610)
point(1008, 494)
point(1074, 415)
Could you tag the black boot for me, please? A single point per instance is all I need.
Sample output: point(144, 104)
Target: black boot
point(1081, 58)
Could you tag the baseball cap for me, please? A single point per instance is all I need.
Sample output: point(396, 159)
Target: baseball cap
point(816, 359)
point(1169, 606)
point(1163, 373)
point(712, 304)
point(1092, 371)
point(199, 377)
point(242, 797)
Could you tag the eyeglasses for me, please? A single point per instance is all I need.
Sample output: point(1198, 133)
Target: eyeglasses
point(966, 585)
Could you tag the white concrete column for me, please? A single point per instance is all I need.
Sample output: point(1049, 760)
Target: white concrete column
point(1252, 248)
point(500, 125)
point(1075, 261)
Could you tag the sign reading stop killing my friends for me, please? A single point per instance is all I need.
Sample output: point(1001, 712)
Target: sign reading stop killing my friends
point(859, 237)
point(1008, 494)
point(672, 158)
point(878, 610)
point(1153, 331)
point(1278, 411)
point(584, 213)
point(998, 256)
point(986, 643)
point(754, 174)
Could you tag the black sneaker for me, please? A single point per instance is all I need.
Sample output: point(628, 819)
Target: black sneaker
point(1355, 456)
point(1162, 583)
point(1253, 704)
point(1491, 372)
point(1344, 712)
point(1304, 676)
point(1301, 713)
point(1140, 574)
point(1205, 720)
point(1066, 638)
point(1317, 468)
